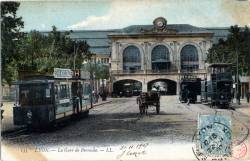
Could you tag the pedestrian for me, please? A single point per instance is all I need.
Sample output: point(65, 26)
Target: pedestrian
point(97, 96)
point(80, 96)
point(248, 96)
point(238, 98)
point(188, 97)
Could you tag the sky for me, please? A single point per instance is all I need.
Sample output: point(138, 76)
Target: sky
point(116, 14)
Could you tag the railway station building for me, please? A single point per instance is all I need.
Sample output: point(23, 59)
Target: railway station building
point(156, 54)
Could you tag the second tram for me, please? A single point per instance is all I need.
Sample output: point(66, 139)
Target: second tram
point(217, 90)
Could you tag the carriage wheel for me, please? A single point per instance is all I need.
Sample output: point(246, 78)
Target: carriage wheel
point(146, 109)
point(157, 108)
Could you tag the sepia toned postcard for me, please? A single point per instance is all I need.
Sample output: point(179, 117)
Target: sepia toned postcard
point(125, 80)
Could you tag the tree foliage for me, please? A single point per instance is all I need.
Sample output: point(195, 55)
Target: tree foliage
point(225, 51)
point(101, 71)
point(43, 52)
point(10, 36)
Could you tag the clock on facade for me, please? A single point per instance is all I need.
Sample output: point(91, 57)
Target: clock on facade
point(160, 23)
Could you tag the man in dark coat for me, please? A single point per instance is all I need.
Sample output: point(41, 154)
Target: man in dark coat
point(248, 96)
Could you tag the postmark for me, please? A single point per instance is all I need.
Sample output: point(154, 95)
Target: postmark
point(239, 151)
point(213, 137)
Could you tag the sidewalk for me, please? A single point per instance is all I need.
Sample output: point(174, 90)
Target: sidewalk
point(244, 107)
point(7, 121)
point(102, 102)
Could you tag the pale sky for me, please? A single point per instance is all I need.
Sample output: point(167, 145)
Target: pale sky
point(115, 14)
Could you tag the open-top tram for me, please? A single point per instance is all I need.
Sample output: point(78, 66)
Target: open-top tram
point(44, 100)
point(217, 90)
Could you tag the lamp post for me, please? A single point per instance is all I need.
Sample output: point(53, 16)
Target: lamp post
point(91, 68)
point(237, 77)
point(75, 54)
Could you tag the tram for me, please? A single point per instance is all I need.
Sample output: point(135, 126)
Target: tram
point(189, 88)
point(128, 90)
point(43, 100)
point(217, 90)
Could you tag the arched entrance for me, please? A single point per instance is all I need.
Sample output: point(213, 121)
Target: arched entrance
point(127, 87)
point(165, 86)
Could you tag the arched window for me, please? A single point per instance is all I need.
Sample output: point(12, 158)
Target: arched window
point(189, 58)
point(131, 59)
point(160, 58)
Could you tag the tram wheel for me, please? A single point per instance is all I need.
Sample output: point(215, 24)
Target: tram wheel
point(86, 113)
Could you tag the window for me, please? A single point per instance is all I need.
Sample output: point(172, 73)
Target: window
point(35, 94)
point(64, 91)
point(160, 58)
point(189, 58)
point(131, 59)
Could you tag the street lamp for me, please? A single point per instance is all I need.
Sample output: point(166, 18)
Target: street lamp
point(92, 77)
point(75, 54)
point(237, 77)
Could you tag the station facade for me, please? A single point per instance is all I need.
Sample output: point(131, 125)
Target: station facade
point(154, 54)
point(158, 54)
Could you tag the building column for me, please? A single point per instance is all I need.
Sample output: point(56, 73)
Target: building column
point(144, 85)
point(176, 56)
point(177, 87)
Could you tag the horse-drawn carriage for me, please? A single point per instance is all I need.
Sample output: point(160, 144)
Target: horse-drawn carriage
point(147, 99)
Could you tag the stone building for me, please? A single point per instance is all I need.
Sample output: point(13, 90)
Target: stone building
point(147, 54)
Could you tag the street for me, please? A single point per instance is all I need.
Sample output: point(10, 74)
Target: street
point(117, 124)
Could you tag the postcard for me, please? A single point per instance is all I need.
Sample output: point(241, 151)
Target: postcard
point(125, 80)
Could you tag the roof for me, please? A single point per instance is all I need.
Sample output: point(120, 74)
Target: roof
point(179, 28)
point(220, 65)
point(97, 39)
point(219, 33)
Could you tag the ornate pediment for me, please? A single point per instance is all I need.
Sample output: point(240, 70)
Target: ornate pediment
point(157, 31)
point(160, 26)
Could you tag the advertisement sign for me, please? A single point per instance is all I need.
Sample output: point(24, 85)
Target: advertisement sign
point(62, 73)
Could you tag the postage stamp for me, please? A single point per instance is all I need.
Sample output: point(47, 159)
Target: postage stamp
point(214, 135)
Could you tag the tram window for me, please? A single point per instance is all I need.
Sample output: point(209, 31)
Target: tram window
point(47, 92)
point(35, 94)
point(86, 90)
point(56, 92)
point(64, 91)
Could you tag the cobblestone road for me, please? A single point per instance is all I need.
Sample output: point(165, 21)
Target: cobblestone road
point(119, 123)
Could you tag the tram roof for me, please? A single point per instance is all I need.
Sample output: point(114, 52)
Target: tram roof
point(43, 79)
point(220, 64)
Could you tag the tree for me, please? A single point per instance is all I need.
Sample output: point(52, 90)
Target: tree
point(226, 51)
point(10, 29)
point(43, 52)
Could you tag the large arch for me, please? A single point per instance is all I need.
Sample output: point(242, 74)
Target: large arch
point(165, 86)
point(160, 58)
point(131, 58)
point(122, 86)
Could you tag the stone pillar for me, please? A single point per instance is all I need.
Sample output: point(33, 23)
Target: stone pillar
point(149, 65)
point(176, 55)
point(146, 57)
point(144, 85)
